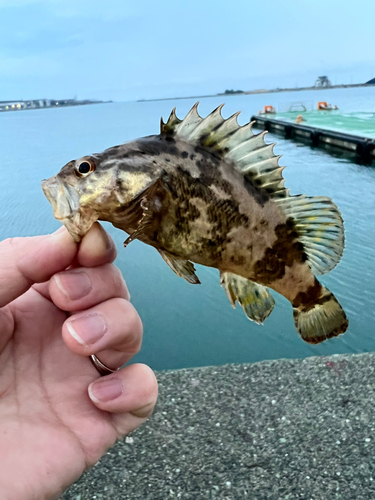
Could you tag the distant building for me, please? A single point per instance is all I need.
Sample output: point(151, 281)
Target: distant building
point(371, 82)
point(42, 103)
point(323, 81)
point(11, 105)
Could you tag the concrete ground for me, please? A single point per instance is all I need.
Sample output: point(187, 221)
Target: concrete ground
point(287, 429)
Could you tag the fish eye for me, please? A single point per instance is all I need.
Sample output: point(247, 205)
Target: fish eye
point(85, 167)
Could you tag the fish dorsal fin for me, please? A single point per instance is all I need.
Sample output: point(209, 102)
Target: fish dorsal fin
point(320, 228)
point(172, 122)
point(237, 145)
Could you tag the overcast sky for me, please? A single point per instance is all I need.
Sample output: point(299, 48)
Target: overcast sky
point(126, 50)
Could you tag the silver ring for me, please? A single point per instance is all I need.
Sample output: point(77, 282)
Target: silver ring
point(101, 367)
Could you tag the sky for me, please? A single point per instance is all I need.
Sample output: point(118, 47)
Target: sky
point(125, 50)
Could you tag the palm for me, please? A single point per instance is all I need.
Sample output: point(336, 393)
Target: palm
point(44, 397)
point(57, 415)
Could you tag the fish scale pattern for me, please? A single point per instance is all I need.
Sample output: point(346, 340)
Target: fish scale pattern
point(317, 220)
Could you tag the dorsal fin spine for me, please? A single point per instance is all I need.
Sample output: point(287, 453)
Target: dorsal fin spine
point(206, 125)
point(257, 155)
point(236, 144)
point(241, 150)
point(224, 129)
point(242, 134)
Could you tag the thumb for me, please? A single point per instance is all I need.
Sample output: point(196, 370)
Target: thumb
point(25, 261)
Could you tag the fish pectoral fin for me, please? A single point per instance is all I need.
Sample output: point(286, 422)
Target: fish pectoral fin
point(146, 221)
point(150, 204)
point(255, 299)
point(183, 268)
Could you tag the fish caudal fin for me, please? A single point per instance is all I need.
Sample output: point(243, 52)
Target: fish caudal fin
point(255, 299)
point(320, 321)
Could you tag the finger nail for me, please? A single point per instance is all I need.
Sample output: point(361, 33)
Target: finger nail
point(74, 285)
point(87, 329)
point(104, 390)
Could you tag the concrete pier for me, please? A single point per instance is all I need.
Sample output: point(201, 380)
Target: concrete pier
point(363, 148)
point(275, 430)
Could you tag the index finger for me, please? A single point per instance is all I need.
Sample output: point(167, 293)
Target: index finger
point(96, 249)
point(25, 261)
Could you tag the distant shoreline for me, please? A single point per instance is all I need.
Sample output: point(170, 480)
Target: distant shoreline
point(259, 91)
point(12, 106)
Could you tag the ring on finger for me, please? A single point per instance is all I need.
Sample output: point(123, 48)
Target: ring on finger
point(101, 367)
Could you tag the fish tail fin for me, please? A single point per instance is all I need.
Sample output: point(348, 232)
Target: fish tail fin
point(322, 320)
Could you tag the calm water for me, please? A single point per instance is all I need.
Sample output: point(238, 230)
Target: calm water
point(188, 325)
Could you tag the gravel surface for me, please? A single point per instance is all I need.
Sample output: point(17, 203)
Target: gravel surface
point(286, 429)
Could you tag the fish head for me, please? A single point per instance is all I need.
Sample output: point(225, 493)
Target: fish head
point(95, 188)
point(70, 193)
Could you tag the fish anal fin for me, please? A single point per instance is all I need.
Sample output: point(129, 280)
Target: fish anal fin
point(320, 228)
point(182, 267)
point(255, 299)
point(225, 282)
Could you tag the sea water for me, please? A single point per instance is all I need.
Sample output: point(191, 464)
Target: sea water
point(194, 325)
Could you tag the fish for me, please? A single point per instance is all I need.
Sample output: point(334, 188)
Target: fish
point(210, 191)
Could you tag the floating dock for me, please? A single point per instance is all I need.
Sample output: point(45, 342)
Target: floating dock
point(362, 147)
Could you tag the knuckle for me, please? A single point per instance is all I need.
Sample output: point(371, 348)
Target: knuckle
point(150, 384)
point(149, 393)
point(144, 411)
point(134, 329)
point(17, 258)
point(118, 281)
point(133, 319)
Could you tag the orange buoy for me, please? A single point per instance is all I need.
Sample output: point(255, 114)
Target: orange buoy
point(269, 109)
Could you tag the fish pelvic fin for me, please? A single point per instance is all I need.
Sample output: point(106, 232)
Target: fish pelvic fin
point(322, 320)
point(255, 299)
point(237, 145)
point(182, 267)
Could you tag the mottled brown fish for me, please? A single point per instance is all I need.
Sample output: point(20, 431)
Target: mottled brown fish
point(210, 191)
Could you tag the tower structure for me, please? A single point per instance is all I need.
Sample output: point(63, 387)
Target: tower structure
point(323, 81)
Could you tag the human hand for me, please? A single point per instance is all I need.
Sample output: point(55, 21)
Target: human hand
point(57, 415)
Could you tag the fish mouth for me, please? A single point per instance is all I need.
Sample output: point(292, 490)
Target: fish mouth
point(65, 201)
